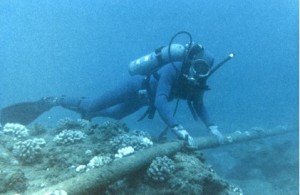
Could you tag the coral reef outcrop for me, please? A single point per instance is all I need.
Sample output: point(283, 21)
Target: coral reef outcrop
point(30, 150)
point(161, 169)
point(67, 137)
point(15, 129)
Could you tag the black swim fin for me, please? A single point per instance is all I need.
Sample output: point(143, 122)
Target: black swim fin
point(25, 112)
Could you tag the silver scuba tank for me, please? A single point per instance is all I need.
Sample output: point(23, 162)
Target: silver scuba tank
point(148, 63)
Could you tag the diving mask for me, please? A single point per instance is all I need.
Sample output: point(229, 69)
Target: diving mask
point(199, 69)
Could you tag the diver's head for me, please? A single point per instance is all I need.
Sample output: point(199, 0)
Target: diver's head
point(199, 69)
point(201, 62)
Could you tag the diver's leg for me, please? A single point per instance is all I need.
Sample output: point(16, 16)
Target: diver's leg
point(72, 103)
point(126, 92)
point(119, 111)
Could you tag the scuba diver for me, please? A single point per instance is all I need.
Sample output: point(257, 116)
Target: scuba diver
point(171, 72)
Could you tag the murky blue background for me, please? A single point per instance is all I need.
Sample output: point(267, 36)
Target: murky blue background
point(82, 48)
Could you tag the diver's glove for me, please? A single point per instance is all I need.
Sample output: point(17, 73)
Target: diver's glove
point(215, 131)
point(182, 134)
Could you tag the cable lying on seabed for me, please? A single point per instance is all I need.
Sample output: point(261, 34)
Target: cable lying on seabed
point(93, 182)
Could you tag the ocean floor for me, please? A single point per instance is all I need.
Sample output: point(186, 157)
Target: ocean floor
point(267, 166)
point(37, 157)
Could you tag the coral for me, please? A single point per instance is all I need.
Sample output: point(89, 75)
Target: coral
point(124, 152)
point(194, 177)
point(30, 150)
point(67, 123)
point(161, 169)
point(17, 181)
point(138, 140)
point(15, 129)
point(67, 137)
point(98, 161)
point(12, 180)
point(107, 130)
point(115, 125)
point(80, 168)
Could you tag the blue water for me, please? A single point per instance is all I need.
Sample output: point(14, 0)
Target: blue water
point(82, 48)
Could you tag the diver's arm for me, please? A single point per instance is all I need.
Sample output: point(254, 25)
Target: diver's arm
point(202, 113)
point(167, 79)
point(201, 110)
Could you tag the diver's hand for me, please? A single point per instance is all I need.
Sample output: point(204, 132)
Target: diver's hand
point(215, 131)
point(182, 134)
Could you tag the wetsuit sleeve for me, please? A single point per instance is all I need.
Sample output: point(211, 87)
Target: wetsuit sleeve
point(201, 109)
point(165, 83)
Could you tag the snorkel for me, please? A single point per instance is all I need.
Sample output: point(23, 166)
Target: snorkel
point(214, 69)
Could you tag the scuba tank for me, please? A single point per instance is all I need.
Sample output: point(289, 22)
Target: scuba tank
point(151, 62)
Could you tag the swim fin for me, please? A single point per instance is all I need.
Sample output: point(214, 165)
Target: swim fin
point(25, 112)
